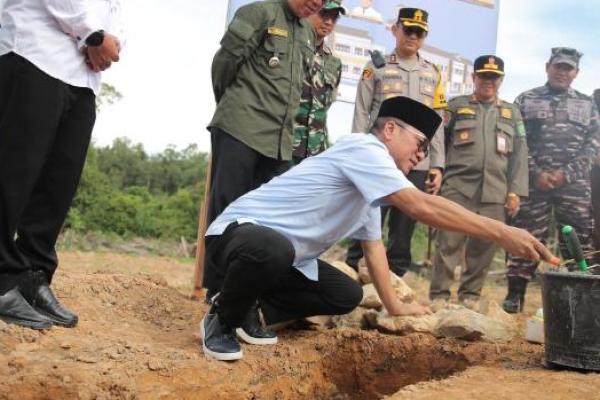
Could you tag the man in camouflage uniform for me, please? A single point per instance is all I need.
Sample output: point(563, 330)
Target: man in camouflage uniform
point(563, 134)
point(320, 87)
point(486, 172)
point(596, 191)
point(405, 73)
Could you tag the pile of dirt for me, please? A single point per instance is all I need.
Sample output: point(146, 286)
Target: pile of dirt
point(138, 339)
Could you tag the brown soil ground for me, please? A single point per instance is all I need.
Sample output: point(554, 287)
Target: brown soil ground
point(137, 339)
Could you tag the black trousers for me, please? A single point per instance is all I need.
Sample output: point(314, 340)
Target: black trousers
point(401, 228)
point(255, 263)
point(45, 130)
point(236, 170)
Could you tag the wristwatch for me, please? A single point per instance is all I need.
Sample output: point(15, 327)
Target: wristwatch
point(95, 39)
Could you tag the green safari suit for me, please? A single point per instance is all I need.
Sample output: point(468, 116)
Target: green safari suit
point(486, 158)
point(258, 75)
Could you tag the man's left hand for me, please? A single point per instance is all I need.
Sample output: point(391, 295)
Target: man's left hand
point(558, 178)
point(512, 205)
point(434, 181)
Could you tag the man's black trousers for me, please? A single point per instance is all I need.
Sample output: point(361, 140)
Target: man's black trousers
point(255, 263)
point(401, 228)
point(45, 130)
point(236, 170)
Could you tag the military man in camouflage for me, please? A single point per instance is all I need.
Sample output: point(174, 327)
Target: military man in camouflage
point(596, 191)
point(563, 135)
point(320, 87)
point(405, 73)
point(486, 172)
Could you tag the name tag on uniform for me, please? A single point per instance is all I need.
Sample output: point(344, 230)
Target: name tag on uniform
point(277, 31)
point(465, 111)
point(501, 143)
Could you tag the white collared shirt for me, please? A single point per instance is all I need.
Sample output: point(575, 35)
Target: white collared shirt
point(51, 33)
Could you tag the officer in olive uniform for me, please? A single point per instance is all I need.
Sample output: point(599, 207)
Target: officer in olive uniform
point(486, 172)
point(320, 87)
point(562, 136)
point(596, 191)
point(257, 79)
point(405, 73)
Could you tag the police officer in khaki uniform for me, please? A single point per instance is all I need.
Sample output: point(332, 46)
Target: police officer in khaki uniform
point(405, 73)
point(486, 172)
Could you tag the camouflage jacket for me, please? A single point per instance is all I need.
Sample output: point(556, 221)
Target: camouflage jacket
point(563, 131)
point(318, 93)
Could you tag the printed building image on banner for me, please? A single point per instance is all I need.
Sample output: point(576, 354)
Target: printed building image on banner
point(459, 32)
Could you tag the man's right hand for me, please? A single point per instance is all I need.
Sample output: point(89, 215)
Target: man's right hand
point(521, 243)
point(100, 58)
point(544, 182)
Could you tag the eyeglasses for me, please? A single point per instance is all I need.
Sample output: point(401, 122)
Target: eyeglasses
point(423, 144)
point(410, 30)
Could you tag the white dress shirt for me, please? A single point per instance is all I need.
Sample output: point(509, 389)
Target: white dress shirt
point(51, 33)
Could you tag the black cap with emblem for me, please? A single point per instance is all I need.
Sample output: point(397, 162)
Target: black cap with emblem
point(412, 112)
point(489, 64)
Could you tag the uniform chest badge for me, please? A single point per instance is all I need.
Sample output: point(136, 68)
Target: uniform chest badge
point(464, 136)
point(275, 31)
point(506, 113)
point(465, 111)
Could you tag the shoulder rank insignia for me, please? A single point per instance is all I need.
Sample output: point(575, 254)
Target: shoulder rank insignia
point(506, 113)
point(367, 74)
point(465, 111)
point(273, 30)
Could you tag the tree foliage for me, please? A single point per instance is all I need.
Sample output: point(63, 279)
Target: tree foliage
point(126, 191)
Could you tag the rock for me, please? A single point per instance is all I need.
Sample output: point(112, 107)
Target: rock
point(155, 365)
point(470, 325)
point(88, 358)
point(495, 312)
point(371, 298)
point(404, 292)
point(363, 275)
point(345, 268)
point(65, 345)
point(355, 319)
point(401, 325)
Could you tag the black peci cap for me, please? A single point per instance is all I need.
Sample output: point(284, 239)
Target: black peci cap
point(412, 112)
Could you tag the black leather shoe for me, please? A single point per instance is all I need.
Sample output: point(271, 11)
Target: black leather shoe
point(515, 298)
point(37, 292)
point(14, 309)
point(218, 339)
point(252, 330)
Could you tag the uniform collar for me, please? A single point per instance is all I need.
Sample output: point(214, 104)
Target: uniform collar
point(402, 61)
point(570, 91)
point(289, 15)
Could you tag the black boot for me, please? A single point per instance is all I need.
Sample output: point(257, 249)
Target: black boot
point(252, 330)
point(515, 299)
point(14, 309)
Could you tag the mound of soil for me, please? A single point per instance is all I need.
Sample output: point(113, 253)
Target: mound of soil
point(138, 339)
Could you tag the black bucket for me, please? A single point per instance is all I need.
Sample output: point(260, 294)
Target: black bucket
point(572, 319)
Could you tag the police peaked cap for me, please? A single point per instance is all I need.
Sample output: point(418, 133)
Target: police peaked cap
point(412, 112)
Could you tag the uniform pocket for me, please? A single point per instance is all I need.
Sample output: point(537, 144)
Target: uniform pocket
point(463, 133)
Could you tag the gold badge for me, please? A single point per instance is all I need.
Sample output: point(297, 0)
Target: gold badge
point(491, 64)
point(506, 113)
point(273, 30)
point(464, 135)
point(466, 111)
point(418, 16)
point(367, 74)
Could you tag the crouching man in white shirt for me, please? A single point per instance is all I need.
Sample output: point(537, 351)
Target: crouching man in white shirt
point(264, 247)
point(51, 55)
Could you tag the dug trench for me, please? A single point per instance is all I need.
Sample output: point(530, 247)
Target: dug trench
point(137, 339)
